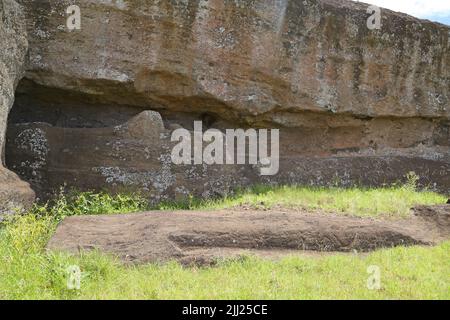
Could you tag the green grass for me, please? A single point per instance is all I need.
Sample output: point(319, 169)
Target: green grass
point(394, 202)
point(28, 271)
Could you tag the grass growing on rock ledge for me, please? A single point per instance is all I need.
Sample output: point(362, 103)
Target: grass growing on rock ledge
point(394, 202)
point(28, 271)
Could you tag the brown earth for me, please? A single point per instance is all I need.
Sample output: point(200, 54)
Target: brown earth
point(202, 237)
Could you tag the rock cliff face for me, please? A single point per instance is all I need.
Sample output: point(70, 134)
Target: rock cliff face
point(354, 105)
point(14, 193)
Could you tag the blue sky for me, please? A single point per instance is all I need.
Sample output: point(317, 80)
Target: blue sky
point(435, 10)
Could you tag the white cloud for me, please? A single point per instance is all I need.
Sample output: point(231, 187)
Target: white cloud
point(418, 8)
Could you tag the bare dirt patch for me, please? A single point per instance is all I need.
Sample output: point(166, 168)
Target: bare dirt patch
point(202, 237)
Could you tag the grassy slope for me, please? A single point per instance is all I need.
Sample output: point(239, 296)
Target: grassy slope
point(27, 271)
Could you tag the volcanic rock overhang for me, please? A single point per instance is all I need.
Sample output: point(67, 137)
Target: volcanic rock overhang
point(354, 105)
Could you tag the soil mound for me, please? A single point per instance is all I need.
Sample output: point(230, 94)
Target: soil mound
point(201, 237)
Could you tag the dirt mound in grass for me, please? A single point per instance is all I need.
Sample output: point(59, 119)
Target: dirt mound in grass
point(201, 237)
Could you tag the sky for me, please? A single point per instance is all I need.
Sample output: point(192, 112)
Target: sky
point(434, 10)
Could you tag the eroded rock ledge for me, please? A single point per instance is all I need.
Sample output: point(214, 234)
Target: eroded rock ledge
point(14, 193)
point(354, 106)
point(244, 59)
point(136, 156)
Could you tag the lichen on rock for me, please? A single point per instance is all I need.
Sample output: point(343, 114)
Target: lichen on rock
point(15, 194)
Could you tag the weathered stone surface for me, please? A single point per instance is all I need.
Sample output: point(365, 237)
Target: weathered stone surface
point(14, 193)
point(244, 58)
point(127, 157)
point(354, 105)
point(136, 156)
point(202, 237)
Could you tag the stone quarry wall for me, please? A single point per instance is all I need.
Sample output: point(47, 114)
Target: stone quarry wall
point(14, 193)
point(354, 106)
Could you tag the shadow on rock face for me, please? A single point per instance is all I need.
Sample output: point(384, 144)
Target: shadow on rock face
point(135, 154)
